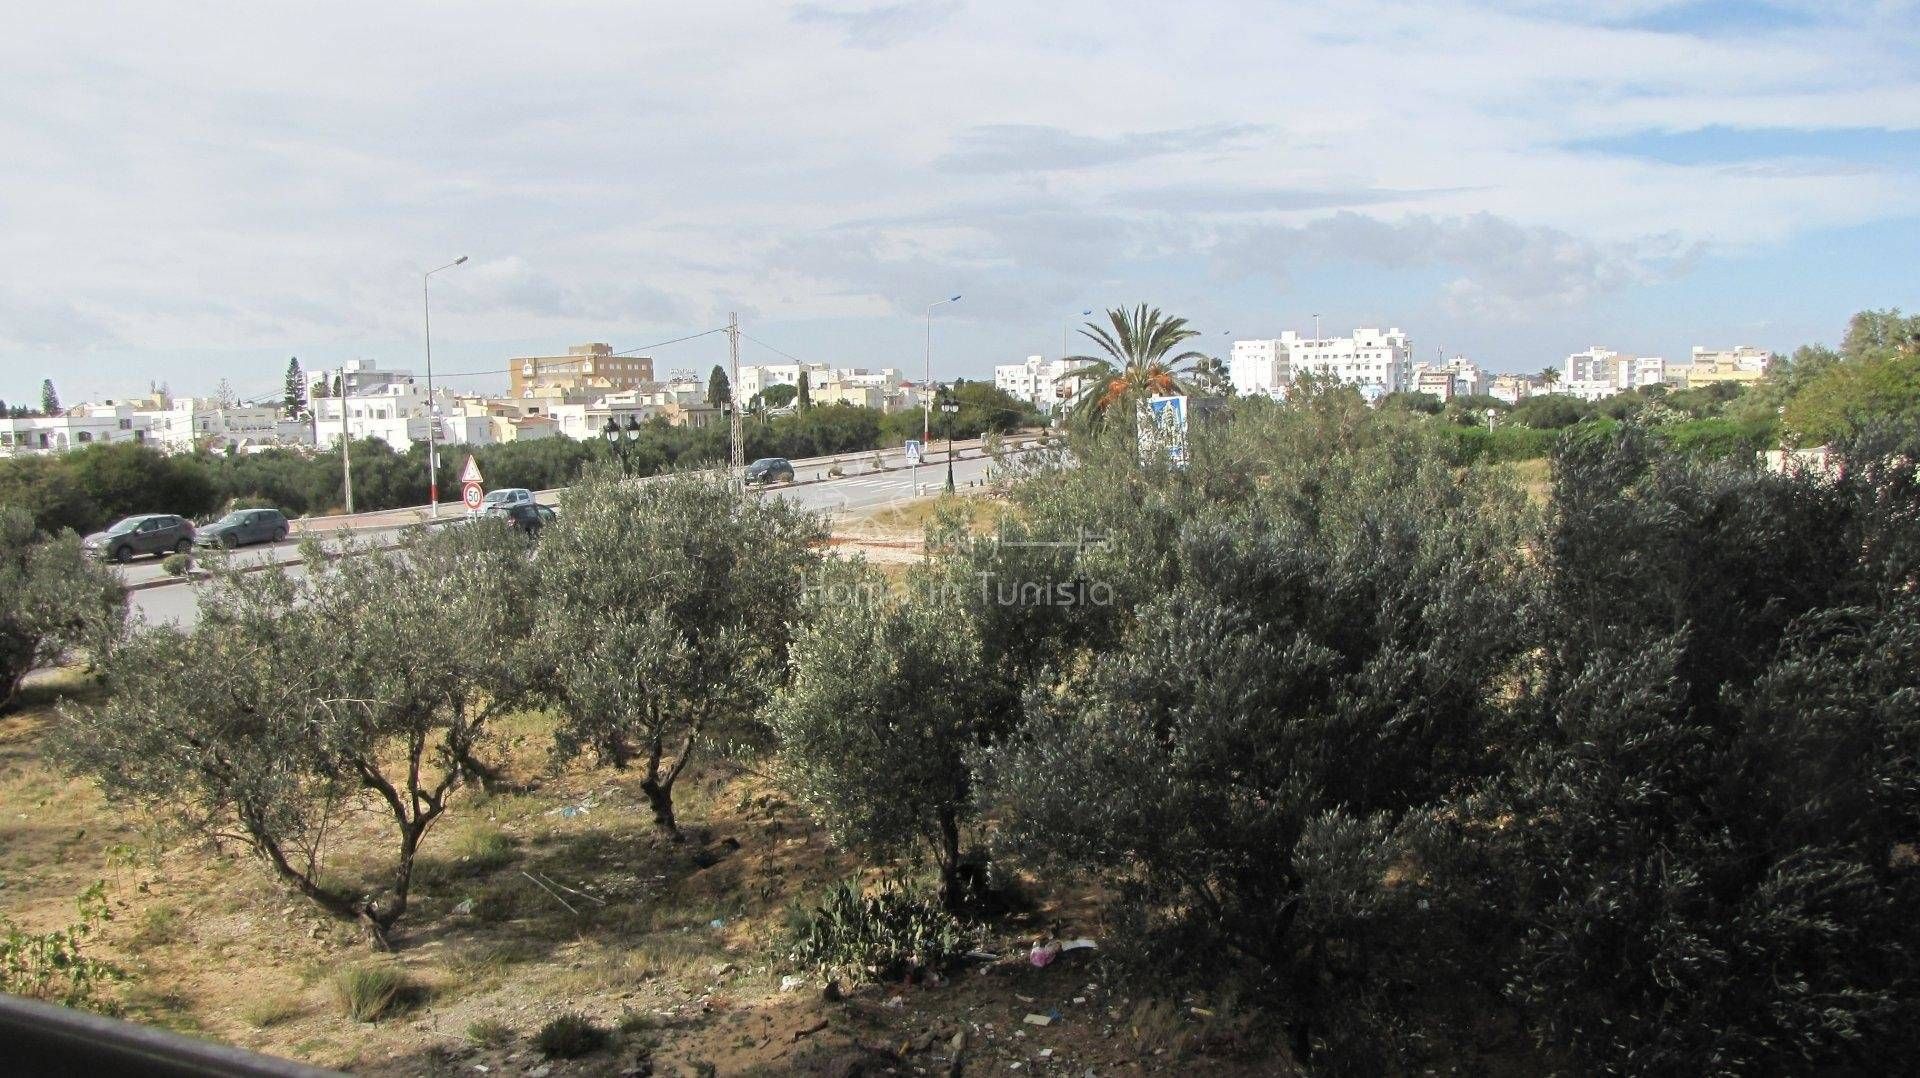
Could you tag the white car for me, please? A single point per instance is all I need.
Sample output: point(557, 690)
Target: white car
point(499, 501)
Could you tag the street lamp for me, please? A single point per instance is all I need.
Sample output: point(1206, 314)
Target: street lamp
point(949, 406)
point(433, 423)
point(926, 427)
point(620, 437)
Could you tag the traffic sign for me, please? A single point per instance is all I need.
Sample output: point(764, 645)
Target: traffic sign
point(913, 450)
point(471, 494)
point(471, 473)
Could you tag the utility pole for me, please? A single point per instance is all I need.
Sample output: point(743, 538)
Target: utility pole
point(738, 456)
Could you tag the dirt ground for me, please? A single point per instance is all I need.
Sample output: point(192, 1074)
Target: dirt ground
point(577, 904)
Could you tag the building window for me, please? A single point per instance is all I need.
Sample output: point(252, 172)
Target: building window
point(85, 436)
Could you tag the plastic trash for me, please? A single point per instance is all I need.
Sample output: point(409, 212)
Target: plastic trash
point(792, 982)
point(1038, 1020)
point(1043, 955)
point(1082, 944)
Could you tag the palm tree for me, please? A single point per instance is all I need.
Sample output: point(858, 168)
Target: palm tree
point(1549, 375)
point(1135, 365)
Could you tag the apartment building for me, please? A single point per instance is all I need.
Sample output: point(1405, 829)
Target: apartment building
point(1741, 364)
point(1376, 362)
point(1039, 382)
point(1512, 388)
point(1259, 367)
point(1598, 373)
point(585, 368)
point(1457, 377)
point(191, 424)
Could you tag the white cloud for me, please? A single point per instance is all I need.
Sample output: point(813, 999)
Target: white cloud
point(259, 179)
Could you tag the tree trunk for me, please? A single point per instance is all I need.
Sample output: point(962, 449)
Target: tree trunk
point(950, 891)
point(660, 799)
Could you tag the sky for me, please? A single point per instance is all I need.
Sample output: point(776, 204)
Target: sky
point(197, 192)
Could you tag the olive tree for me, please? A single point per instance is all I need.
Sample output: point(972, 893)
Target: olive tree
point(1706, 861)
point(667, 606)
point(887, 696)
point(371, 681)
point(52, 598)
point(1258, 763)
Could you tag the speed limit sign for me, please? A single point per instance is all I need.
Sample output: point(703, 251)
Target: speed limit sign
point(470, 494)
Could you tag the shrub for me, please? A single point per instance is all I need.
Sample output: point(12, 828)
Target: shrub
point(52, 965)
point(368, 990)
point(177, 564)
point(570, 1036)
point(891, 933)
point(490, 1033)
point(52, 598)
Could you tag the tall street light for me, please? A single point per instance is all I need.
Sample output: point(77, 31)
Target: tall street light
point(433, 422)
point(620, 438)
point(926, 390)
point(950, 406)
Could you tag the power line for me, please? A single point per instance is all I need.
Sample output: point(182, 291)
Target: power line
point(771, 348)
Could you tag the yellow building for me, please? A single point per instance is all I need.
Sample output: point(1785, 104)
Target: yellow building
point(585, 368)
point(1744, 363)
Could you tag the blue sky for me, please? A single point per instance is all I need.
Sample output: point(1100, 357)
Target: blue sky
point(193, 195)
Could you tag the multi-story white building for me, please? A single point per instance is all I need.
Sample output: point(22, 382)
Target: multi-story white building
point(92, 424)
point(1259, 367)
point(1376, 362)
point(396, 412)
point(1039, 381)
point(1598, 373)
point(755, 379)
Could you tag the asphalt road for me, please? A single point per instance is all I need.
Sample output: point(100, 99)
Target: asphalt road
point(179, 603)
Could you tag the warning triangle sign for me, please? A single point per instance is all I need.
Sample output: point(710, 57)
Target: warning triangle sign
point(471, 473)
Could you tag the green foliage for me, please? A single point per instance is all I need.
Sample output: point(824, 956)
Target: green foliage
point(177, 564)
point(1703, 872)
point(368, 991)
point(887, 695)
point(52, 598)
point(570, 1036)
point(668, 608)
point(1550, 411)
point(297, 699)
point(889, 934)
point(1136, 360)
point(1849, 396)
point(719, 390)
point(52, 965)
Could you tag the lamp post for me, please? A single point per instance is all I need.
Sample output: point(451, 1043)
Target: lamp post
point(926, 426)
point(433, 422)
point(619, 437)
point(949, 406)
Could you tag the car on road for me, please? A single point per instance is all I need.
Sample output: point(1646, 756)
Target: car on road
point(149, 533)
point(506, 498)
point(770, 470)
point(244, 527)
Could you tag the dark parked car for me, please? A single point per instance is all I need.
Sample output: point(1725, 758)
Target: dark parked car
point(155, 533)
point(770, 470)
point(243, 527)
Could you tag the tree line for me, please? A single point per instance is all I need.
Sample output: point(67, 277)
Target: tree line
point(88, 488)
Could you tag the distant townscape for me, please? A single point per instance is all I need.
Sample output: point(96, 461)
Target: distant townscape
point(578, 393)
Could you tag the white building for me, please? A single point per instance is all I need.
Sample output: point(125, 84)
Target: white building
point(1259, 367)
point(1376, 362)
point(396, 412)
point(754, 380)
point(1457, 377)
point(1039, 382)
point(1512, 388)
point(191, 424)
point(84, 425)
point(1598, 373)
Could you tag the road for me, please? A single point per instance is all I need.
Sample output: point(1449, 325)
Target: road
point(179, 603)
